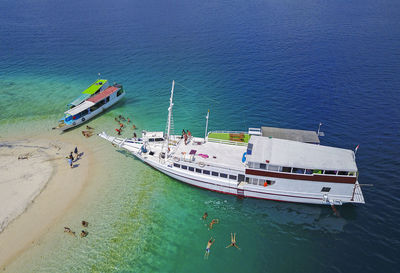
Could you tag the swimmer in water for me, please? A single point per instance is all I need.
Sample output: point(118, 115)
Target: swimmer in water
point(209, 244)
point(205, 215)
point(233, 241)
point(213, 222)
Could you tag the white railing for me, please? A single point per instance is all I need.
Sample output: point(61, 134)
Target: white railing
point(227, 132)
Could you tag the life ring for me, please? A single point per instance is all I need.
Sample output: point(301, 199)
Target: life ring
point(83, 119)
point(176, 159)
point(202, 164)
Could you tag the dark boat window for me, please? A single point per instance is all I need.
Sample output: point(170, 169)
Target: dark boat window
point(107, 99)
point(263, 166)
point(184, 167)
point(249, 148)
point(120, 92)
point(270, 182)
point(224, 175)
point(177, 165)
point(317, 171)
point(233, 177)
point(286, 169)
point(343, 173)
point(85, 112)
point(330, 172)
point(206, 172)
point(298, 170)
point(198, 170)
point(247, 179)
point(191, 169)
point(325, 189)
point(241, 177)
point(214, 173)
point(309, 171)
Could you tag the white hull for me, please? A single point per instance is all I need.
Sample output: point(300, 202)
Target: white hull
point(91, 114)
point(286, 190)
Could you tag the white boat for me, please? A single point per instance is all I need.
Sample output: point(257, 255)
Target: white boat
point(91, 107)
point(251, 164)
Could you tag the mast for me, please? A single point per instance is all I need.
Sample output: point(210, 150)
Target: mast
point(205, 133)
point(171, 104)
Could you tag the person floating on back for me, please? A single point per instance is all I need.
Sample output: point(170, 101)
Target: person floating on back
point(209, 244)
point(233, 241)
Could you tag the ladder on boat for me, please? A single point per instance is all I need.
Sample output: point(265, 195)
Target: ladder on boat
point(240, 189)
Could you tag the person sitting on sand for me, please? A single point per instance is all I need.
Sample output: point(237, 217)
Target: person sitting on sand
point(205, 215)
point(209, 244)
point(213, 222)
point(85, 224)
point(233, 241)
point(87, 133)
point(69, 231)
point(89, 128)
point(84, 233)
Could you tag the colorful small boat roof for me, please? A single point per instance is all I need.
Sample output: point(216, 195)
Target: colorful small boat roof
point(102, 95)
point(94, 87)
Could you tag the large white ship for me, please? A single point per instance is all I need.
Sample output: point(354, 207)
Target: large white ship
point(265, 163)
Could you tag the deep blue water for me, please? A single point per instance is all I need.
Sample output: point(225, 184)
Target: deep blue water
point(282, 63)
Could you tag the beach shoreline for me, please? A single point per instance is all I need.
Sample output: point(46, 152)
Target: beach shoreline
point(37, 188)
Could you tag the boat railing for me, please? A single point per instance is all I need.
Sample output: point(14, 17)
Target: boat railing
point(202, 164)
point(227, 132)
point(229, 142)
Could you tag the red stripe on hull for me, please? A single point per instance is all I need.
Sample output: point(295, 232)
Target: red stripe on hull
point(314, 178)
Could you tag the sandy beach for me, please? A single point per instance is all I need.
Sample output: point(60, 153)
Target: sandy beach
point(37, 186)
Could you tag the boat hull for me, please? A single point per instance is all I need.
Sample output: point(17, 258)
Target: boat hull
point(91, 115)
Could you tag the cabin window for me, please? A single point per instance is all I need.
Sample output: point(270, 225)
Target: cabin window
point(317, 171)
point(263, 166)
point(298, 170)
point(330, 172)
point(198, 170)
point(343, 173)
point(286, 169)
point(240, 177)
point(107, 99)
point(233, 177)
point(206, 172)
point(177, 165)
point(249, 148)
point(85, 112)
point(223, 175)
point(247, 179)
point(352, 174)
point(309, 171)
point(120, 92)
point(273, 168)
point(325, 189)
point(261, 182)
point(184, 167)
point(191, 169)
point(214, 173)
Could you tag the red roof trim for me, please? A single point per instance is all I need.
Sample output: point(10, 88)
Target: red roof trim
point(104, 94)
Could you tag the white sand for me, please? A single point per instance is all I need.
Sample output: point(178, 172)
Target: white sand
point(34, 192)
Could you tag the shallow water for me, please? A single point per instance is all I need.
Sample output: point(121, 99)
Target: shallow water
point(277, 63)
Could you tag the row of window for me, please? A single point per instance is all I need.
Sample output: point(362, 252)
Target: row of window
point(207, 172)
point(260, 182)
point(274, 168)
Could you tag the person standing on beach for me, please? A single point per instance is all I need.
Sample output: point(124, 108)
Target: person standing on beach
point(76, 153)
point(209, 244)
point(70, 162)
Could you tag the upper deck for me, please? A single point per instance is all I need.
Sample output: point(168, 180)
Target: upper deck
point(209, 153)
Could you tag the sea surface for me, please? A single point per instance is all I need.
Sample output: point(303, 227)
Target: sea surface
point(285, 63)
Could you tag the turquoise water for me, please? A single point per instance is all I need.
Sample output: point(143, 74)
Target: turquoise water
point(278, 63)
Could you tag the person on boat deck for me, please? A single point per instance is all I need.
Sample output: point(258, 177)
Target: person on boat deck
point(213, 222)
point(233, 241)
point(205, 215)
point(134, 135)
point(189, 134)
point(209, 244)
point(186, 138)
point(183, 132)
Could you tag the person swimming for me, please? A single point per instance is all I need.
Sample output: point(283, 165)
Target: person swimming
point(85, 223)
point(209, 244)
point(84, 233)
point(69, 231)
point(213, 222)
point(233, 241)
point(205, 215)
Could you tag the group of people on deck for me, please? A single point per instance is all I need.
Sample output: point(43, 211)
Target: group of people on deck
point(186, 136)
point(212, 240)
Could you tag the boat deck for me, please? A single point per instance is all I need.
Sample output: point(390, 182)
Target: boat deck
point(224, 155)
